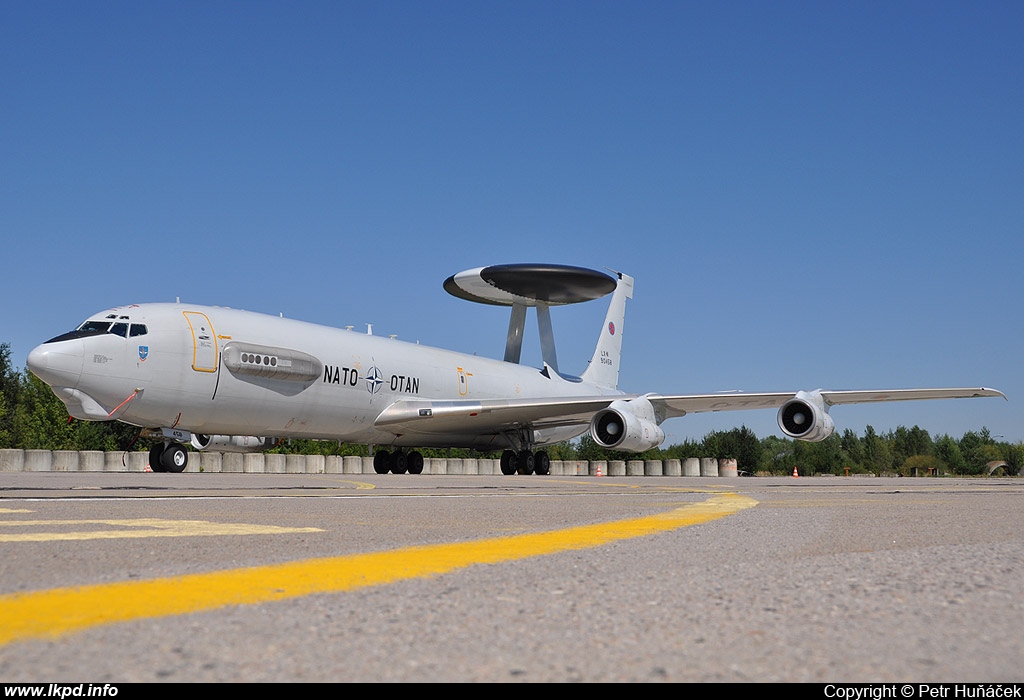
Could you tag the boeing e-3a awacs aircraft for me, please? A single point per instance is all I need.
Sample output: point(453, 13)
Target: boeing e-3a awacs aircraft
point(229, 380)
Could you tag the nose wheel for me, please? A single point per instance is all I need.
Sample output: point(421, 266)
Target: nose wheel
point(168, 457)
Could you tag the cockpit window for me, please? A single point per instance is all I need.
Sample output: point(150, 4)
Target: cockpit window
point(94, 328)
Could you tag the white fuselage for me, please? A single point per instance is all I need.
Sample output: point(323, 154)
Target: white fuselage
point(214, 370)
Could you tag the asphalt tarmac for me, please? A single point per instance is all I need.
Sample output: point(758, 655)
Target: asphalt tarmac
point(108, 578)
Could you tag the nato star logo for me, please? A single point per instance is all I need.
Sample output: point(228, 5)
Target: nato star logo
point(374, 380)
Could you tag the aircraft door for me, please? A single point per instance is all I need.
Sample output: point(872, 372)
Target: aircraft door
point(204, 342)
point(463, 381)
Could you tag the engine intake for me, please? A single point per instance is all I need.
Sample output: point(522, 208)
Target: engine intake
point(805, 417)
point(630, 426)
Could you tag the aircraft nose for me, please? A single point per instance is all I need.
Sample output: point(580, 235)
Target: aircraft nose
point(58, 364)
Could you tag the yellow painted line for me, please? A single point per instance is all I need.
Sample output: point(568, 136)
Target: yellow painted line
point(137, 528)
point(360, 485)
point(52, 613)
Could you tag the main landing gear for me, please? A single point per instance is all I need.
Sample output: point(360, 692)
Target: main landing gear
point(397, 462)
point(168, 457)
point(512, 462)
point(525, 462)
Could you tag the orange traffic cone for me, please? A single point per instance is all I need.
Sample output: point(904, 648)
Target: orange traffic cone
point(795, 475)
point(599, 470)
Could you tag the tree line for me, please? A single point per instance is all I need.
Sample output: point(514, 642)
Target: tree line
point(32, 417)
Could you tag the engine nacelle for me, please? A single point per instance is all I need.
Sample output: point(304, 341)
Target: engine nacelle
point(805, 417)
point(630, 426)
point(230, 443)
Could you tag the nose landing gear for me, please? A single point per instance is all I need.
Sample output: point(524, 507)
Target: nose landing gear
point(168, 457)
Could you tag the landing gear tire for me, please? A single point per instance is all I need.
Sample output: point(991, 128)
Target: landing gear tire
point(155, 452)
point(525, 463)
point(541, 463)
point(399, 463)
point(174, 458)
point(381, 462)
point(415, 463)
point(508, 462)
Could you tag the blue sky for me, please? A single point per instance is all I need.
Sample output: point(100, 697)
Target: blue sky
point(809, 194)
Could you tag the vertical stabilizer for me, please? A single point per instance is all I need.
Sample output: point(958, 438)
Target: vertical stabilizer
point(603, 369)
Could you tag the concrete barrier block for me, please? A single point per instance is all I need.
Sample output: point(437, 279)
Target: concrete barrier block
point(315, 464)
point(691, 467)
point(245, 463)
point(274, 463)
point(67, 460)
point(295, 464)
point(12, 460)
point(653, 467)
point(210, 462)
point(115, 461)
point(708, 466)
point(91, 460)
point(673, 467)
point(138, 461)
point(38, 461)
point(727, 467)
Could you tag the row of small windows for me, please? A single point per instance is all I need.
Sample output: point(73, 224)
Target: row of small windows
point(250, 358)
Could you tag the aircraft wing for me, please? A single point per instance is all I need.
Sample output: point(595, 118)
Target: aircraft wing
point(675, 406)
point(491, 415)
point(496, 415)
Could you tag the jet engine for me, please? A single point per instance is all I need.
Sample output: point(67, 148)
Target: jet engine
point(630, 426)
point(805, 417)
point(230, 443)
